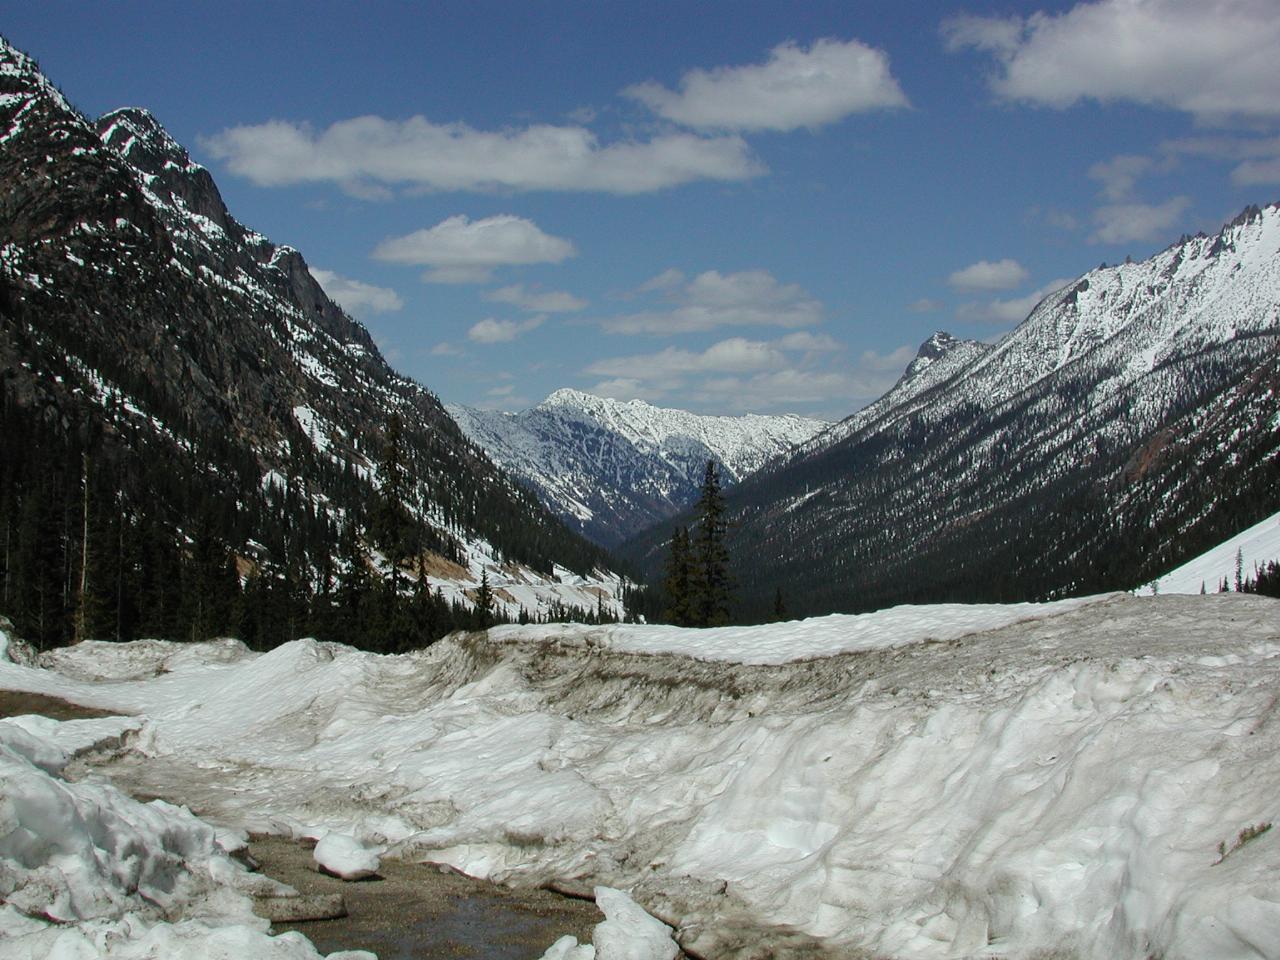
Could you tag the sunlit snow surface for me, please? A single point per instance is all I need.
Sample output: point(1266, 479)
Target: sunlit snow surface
point(1254, 547)
point(1059, 779)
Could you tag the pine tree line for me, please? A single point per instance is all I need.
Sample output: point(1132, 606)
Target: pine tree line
point(111, 533)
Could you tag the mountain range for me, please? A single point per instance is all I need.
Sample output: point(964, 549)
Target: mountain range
point(170, 376)
point(611, 468)
point(1127, 423)
point(154, 347)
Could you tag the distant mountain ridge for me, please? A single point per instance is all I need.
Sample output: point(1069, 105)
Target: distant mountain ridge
point(140, 320)
point(611, 468)
point(1130, 419)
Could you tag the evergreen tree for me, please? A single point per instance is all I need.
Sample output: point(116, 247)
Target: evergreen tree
point(677, 583)
point(390, 524)
point(484, 602)
point(779, 607)
point(711, 589)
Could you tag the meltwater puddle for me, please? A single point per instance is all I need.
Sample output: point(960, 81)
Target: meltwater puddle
point(417, 912)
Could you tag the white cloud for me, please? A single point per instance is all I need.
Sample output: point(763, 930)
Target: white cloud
point(356, 297)
point(1011, 311)
point(808, 342)
point(739, 375)
point(1253, 172)
point(624, 388)
point(894, 362)
point(924, 305)
point(713, 299)
point(989, 275)
point(1119, 175)
point(1257, 158)
point(1125, 222)
point(795, 87)
point(536, 301)
point(1215, 60)
point(445, 349)
point(735, 355)
point(365, 155)
point(501, 331)
point(464, 251)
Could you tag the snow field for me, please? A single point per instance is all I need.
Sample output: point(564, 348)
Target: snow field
point(87, 872)
point(1256, 546)
point(1058, 780)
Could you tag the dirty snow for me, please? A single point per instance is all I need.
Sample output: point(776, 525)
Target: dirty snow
point(1002, 783)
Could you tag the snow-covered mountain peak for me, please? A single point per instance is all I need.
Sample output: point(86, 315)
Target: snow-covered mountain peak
point(614, 467)
point(568, 397)
point(1129, 418)
point(930, 352)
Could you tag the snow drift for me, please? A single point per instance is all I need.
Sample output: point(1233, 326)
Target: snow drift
point(1092, 778)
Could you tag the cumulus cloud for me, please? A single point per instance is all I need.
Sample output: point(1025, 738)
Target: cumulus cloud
point(356, 297)
point(1008, 311)
point(1125, 222)
point(795, 87)
point(501, 331)
point(713, 299)
point(989, 275)
point(366, 155)
point(536, 301)
point(460, 250)
point(1214, 60)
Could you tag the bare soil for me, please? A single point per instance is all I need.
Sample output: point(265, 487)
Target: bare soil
point(16, 704)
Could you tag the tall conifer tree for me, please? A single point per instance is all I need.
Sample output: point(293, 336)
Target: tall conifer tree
point(677, 583)
point(711, 587)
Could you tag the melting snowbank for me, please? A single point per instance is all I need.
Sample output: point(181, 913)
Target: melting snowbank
point(1059, 780)
point(87, 872)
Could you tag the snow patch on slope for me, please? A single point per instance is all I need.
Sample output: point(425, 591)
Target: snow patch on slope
point(1256, 546)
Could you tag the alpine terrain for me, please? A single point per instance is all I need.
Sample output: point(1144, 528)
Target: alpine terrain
point(185, 409)
point(611, 468)
point(1127, 424)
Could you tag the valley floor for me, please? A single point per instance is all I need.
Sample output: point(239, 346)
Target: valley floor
point(1095, 777)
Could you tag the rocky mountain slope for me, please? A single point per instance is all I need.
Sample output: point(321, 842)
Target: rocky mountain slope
point(1129, 420)
point(141, 321)
point(612, 468)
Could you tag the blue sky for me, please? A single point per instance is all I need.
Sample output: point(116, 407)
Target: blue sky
point(726, 207)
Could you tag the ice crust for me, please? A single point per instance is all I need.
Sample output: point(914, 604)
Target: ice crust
point(1002, 783)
